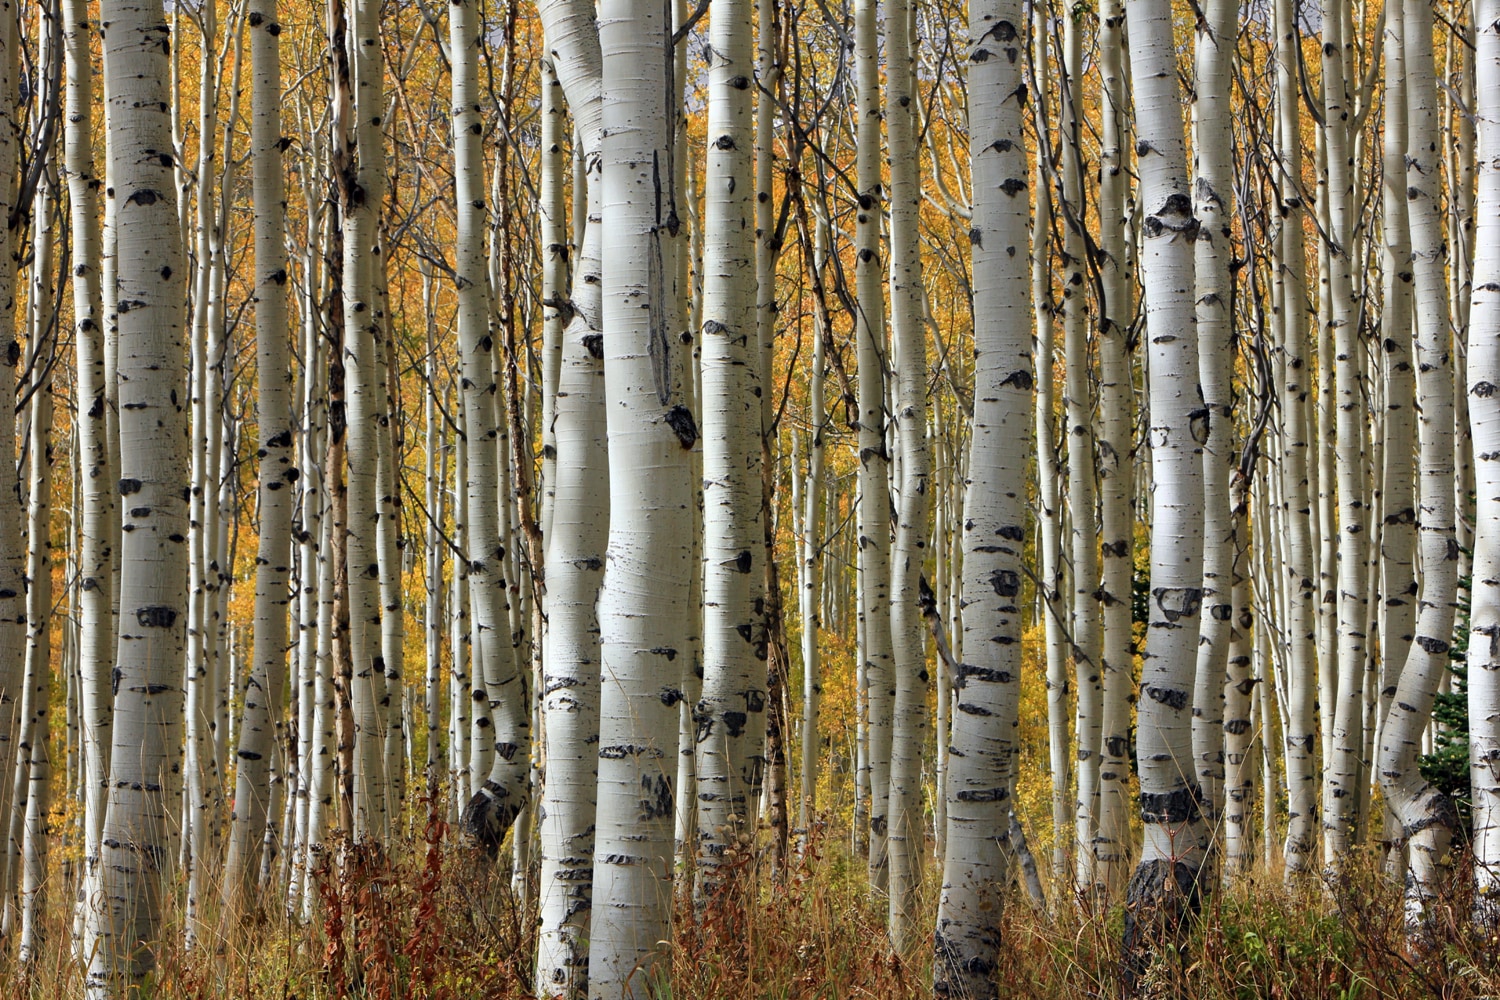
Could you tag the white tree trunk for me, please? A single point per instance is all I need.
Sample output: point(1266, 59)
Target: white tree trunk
point(261, 727)
point(1425, 817)
point(645, 598)
point(906, 837)
point(150, 271)
point(1170, 799)
point(1213, 206)
point(730, 716)
point(1484, 422)
point(987, 684)
point(874, 457)
point(95, 647)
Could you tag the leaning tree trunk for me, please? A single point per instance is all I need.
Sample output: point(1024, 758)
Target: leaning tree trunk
point(1484, 420)
point(730, 716)
point(987, 685)
point(261, 724)
point(149, 274)
point(645, 598)
point(1165, 881)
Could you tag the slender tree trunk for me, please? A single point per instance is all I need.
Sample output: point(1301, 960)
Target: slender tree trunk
point(730, 716)
point(988, 683)
point(1345, 769)
point(95, 648)
point(1301, 567)
point(261, 728)
point(874, 458)
point(1116, 405)
point(1213, 205)
point(1484, 422)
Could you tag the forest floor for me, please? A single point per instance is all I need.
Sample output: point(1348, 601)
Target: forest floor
point(440, 921)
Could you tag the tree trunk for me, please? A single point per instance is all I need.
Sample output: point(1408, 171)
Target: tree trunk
point(644, 600)
point(150, 272)
point(988, 683)
point(1165, 883)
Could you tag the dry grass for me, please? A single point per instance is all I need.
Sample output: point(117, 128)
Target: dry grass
point(435, 919)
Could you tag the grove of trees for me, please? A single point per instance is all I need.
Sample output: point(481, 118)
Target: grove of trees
point(1034, 462)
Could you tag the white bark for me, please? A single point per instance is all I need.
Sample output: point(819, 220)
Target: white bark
point(1213, 205)
point(95, 648)
point(906, 837)
point(874, 457)
point(982, 761)
point(730, 716)
point(1116, 423)
point(261, 726)
point(1484, 422)
point(645, 597)
point(150, 270)
point(1170, 795)
point(1425, 816)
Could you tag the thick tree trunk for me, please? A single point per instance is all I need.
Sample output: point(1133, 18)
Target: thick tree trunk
point(137, 855)
point(645, 598)
point(988, 682)
point(1165, 883)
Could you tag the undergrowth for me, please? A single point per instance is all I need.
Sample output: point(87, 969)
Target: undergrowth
point(436, 919)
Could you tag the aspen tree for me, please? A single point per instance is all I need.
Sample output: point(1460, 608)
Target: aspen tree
point(874, 457)
point(1116, 396)
point(810, 590)
point(1078, 410)
point(909, 342)
point(34, 764)
point(1398, 583)
point(1301, 565)
point(644, 599)
point(1213, 206)
point(95, 647)
point(1344, 769)
point(12, 544)
point(261, 726)
point(1484, 422)
point(1240, 689)
point(576, 539)
point(504, 791)
point(149, 275)
point(987, 683)
point(359, 171)
point(1165, 880)
point(1425, 817)
point(730, 716)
